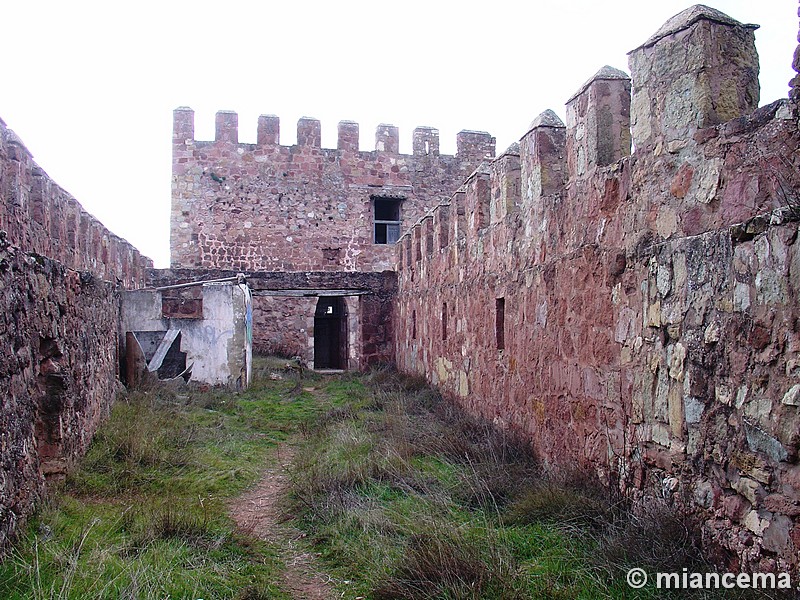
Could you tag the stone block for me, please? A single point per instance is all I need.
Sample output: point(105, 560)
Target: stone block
point(182, 125)
point(227, 127)
point(735, 507)
point(750, 489)
point(425, 141)
point(387, 139)
point(777, 535)
point(598, 122)
point(699, 69)
point(268, 132)
point(348, 136)
point(760, 441)
point(309, 132)
point(756, 521)
point(543, 158)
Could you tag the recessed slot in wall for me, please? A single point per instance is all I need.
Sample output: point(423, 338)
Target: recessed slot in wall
point(500, 323)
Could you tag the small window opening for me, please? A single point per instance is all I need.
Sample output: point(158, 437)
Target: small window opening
point(444, 321)
point(387, 220)
point(427, 148)
point(500, 323)
point(413, 324)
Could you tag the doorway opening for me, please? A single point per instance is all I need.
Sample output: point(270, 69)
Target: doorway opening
point(330, 333)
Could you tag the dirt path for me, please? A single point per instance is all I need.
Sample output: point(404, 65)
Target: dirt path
point(257, 513)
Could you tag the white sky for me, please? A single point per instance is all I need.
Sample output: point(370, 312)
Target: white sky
point(90, 86)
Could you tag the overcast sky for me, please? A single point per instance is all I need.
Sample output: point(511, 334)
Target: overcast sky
point(90, 86)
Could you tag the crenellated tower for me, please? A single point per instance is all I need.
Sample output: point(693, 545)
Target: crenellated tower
point(270, 207)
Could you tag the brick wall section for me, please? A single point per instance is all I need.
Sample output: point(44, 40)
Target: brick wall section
point(284, 324)
point(650, 303)
point(267, 207)
point(38, 216)
point(57, 373)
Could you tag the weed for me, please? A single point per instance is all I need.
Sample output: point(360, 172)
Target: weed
point(566, 500)
point(447, 564)
point(656, 537)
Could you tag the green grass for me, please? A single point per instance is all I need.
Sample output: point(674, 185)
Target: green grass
point(401, 494)
point(145, 514)
point(406, 497)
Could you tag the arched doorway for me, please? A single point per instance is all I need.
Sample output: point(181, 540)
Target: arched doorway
point(330, 333)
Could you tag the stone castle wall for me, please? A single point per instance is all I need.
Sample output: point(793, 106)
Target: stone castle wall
point(267, 207)
point(58, 374)
point(635, 314)
point(59, 274)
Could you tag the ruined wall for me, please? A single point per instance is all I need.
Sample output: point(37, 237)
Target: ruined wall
point(58, 367)
point(38, 216)
point(267, 207)
point(59, 272)
point(284, 305)
point(637, 315)
point(214, 331)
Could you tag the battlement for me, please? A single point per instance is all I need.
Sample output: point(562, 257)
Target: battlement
point(683, 79)
point(598, 122)
point(698, 70)
point(425, 140)
point(604, 279)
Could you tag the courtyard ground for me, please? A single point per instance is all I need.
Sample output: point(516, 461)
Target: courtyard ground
point(340, 486)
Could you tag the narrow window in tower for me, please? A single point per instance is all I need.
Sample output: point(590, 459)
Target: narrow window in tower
point(387, 220)
point(413, 324)
point(500, 323)
point(444, 321)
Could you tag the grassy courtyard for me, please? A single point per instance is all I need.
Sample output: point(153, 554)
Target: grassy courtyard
point(397, 494)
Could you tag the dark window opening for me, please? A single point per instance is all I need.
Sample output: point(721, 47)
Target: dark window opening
point(161, 351)
point(387, 220)
point(444, 321)
point(500, 323)
point(413, 325)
